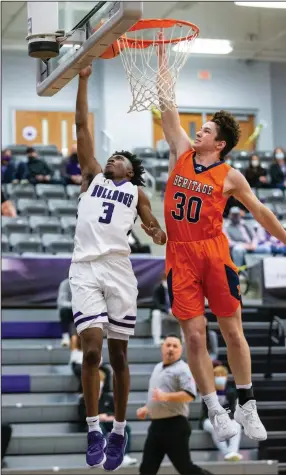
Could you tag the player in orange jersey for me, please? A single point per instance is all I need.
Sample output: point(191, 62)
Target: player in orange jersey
point(198, 262)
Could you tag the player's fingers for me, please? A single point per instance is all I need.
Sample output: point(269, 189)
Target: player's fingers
point(147, 230)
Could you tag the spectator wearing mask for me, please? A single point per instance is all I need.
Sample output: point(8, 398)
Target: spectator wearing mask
point(161, 310)
point(255, 173)
point(7, 207)
point(106, 414)
point(240, 237)
point(278, 169)
point(70, 169)
point(227, 398)
point(36, 170)
point(8, 169)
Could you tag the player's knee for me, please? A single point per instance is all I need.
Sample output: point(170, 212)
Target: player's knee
point(196, 340)
point(234, 337)
point(118, 361)
point(92, 356)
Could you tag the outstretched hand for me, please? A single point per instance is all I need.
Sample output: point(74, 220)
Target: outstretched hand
point(86, 72)
point(156, 233)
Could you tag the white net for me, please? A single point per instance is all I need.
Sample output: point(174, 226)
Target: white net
point(152, 82)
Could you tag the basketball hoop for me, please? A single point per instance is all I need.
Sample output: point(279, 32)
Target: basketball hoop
point(138, 49)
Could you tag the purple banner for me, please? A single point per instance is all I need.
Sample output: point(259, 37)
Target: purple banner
point(34, 282)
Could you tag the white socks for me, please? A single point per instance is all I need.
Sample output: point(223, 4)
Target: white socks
point(119, 427)
point(212, 402)
point(244, 386)
point(93, 424)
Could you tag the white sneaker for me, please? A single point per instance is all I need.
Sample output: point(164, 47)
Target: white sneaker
point(76, 356)
point(65, 340)
point(248, 418)
point(224, 427)
point(233, 457)
point(128, 461)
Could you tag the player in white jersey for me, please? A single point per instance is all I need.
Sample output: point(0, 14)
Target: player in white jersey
point(103, 285)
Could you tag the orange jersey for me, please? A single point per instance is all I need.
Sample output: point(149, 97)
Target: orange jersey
point(194, 201)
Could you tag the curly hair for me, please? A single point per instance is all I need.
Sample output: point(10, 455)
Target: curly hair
point(137, 166)
point(227, 129)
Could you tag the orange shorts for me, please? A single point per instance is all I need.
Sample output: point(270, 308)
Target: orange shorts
point(200, 269)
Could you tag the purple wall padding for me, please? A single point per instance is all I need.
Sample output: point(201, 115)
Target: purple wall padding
point(16, 383)
point(34, 282)
point(31, 330)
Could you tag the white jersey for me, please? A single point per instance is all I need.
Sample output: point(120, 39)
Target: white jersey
point(106, 214)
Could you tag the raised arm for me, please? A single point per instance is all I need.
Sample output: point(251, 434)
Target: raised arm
point(88, 164)
point(176, 136)
point(149, 223)
point(237, 186)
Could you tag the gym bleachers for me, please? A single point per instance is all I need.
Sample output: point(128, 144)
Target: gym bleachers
point(40, 397)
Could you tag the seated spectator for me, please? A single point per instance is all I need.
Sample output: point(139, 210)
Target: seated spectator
point(255, 174)
point(69, 334)
point(161, 309)
point(269, 244)
point(8, 169)
point(106, 415)
point(212, 342)
point(227, 398)
point(6, 433)
point(278, 169)
point(36, 170)
point(70, 169)
point(136, 246)
point(241, 238)
point(7, 207)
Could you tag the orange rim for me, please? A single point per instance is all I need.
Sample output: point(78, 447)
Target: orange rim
point(146, 24)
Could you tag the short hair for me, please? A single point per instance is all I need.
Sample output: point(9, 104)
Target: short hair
point(173, 335)
point(228, 130)
point(137, 166)
point(30, 150)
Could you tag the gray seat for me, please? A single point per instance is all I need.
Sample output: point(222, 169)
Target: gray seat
point(46, 191)
point(270, 195)
point(62, 207)
point(5, 247)
point(15, 225)
point(55, 161)
point(281, 210)
point(21, 191)
point(47, 149)
point(17, 149)
point(68, 224)
point(25, 243)
point(73, 191)
point(145, 152)
point(55, 243)
point(32, 207)
point(45, 224)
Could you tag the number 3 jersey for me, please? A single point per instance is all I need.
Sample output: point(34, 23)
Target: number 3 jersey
point(194, 201)
point(106, 214)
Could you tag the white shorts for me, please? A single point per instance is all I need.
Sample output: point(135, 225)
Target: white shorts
point(104, 292)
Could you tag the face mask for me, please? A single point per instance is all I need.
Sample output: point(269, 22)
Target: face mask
point(220, 381)
point(235, 219)
point(279, 155)
point(255, 163)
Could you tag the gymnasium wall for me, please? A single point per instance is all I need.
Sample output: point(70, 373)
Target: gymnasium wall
point(234, 84)
point(278, 83)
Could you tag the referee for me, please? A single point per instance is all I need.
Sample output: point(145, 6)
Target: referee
point(171, 389)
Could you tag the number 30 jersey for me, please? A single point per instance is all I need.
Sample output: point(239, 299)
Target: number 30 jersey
point(194, 201)
point(106, 214)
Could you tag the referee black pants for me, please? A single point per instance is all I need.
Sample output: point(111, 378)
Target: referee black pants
point(168, 437)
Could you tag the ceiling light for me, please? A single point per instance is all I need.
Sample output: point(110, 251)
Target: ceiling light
point(262, 4)
point(204, 46)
